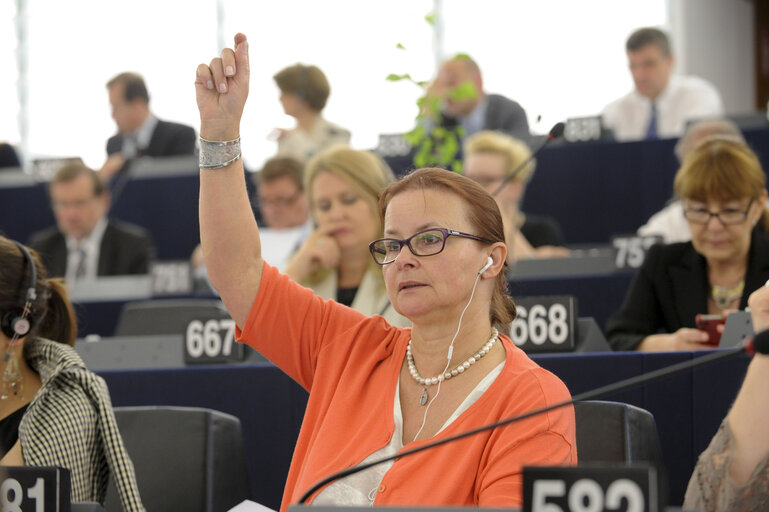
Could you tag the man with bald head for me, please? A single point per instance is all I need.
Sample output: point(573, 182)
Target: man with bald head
point(670, 223)
point(661, 104)
point(461, 100)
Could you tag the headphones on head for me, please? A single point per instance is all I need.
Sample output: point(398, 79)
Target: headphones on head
point(489, 262)
point(15, 323)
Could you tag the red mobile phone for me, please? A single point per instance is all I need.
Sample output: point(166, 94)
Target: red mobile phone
point(709, 323)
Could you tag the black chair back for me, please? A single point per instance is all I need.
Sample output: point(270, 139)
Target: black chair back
point(189, 459)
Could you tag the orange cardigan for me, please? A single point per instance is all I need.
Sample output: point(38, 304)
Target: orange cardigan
point(350, 364)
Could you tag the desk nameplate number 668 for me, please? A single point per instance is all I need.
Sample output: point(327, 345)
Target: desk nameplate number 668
point(212, 340)
point(544, 324)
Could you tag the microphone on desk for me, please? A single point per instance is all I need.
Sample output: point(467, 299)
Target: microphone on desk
point(757, 345)
point(555, 132)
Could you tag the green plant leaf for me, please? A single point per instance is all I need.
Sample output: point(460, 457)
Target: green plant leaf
point(430, 18)
point(392, 77)
point(400, 46)
point(464, 91)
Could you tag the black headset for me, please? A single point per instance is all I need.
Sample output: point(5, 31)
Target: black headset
point(16, 323)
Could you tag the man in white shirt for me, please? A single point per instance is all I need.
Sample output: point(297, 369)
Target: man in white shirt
point(285, 208)
point(661, 104)
point(85, 244)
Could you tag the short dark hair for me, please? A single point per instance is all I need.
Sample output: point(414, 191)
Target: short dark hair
point(74, 169)
point(133, 86)
point(279, 167)
point(646, 36)
point(307, 82)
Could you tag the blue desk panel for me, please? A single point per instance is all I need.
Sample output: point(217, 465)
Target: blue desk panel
point(688, 408)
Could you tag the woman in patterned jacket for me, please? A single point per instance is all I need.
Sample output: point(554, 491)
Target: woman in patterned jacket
point(53, 411)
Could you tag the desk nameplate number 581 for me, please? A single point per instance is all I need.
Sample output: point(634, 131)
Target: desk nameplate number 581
point(212, 341)
point(35, 489)
point(590, 489)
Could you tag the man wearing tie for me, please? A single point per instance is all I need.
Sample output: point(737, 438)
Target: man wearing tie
point(140, 133)
point(661, 104)
point(85, 244)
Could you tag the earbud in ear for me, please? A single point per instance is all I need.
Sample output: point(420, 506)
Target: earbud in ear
point(489, 262)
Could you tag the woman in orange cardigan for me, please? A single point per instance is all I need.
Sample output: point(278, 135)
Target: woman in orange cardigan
point(375, 388)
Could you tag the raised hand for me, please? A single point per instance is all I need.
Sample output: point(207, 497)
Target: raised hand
point(221, 88)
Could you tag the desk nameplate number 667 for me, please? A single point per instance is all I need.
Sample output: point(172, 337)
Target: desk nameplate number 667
point(212, 340)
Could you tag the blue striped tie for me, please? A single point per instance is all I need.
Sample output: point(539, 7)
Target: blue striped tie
point(651, 132)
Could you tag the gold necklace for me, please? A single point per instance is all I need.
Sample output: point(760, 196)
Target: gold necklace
point(724, 296)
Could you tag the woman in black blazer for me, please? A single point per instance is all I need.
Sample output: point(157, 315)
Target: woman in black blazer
point(723, 188)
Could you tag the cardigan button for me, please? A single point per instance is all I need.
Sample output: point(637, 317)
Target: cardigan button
point(382, 488)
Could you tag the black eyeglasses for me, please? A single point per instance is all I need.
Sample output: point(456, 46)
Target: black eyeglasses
point(425, 243)
point(279, 202)
point(727, 217)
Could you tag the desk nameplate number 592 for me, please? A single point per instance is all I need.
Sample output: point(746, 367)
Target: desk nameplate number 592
point(35, 489)
point(212, 341)
point(590, 489)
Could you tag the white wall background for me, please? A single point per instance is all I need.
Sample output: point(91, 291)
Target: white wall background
point(558, 58)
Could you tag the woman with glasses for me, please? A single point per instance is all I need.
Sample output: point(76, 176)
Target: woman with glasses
point(376, 388)
point(344, 186)
point(723, 190)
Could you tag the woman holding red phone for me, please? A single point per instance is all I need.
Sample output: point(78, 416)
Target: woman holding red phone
point(723, 189)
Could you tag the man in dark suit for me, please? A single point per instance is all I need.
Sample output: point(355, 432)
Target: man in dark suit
point(140, 133)
point(458, 88)
point(85, 244)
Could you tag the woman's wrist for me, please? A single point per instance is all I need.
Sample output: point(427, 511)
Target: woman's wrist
point(219, 131)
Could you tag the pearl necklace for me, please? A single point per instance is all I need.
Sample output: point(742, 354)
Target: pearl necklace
point(457, 370)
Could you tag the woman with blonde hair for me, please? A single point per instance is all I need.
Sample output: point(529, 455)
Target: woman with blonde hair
point(344, 186)
point(489, 159)
point(723, 191)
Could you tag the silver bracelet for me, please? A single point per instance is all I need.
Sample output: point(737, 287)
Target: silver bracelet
point(218, 154)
